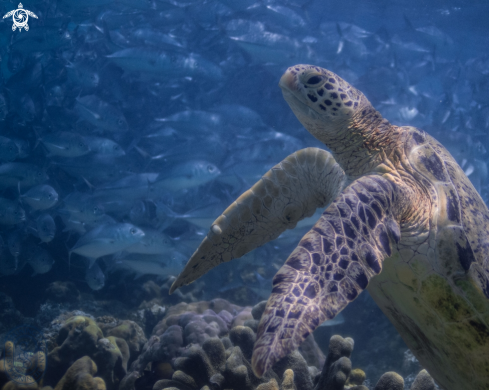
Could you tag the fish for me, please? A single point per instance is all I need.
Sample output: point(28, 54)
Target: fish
point(95, 277)
point(265, 46)
point(40, 261)
point(157, 63)
point(204, 216)
point(83, 74)
point(129, 188)
point(10, 212)
point(10, 265)
point(153, 243)
point(104, 147)
point(22, 175)
point(82, 207)
point(42, 39)
point(283, 16)
point(239, 116)
point(143, 212)
point(22, 147)
point(3, 107)
point(192, 121)
point(8, 149)
point(65, 144)
point(14, 242)
point(186, 175)
point(338, 320)
point(46, 227)
point(144, 36)
point(106, 239)
point(40, 197)
point(109, 168)
point(101, 114)
point(142, 264)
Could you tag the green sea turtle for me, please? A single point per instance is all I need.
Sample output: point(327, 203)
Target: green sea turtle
point(403, 222)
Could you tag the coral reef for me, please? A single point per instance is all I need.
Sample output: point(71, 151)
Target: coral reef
point(210, 344)
point(77, 338)
point(22, 373)
point(194, 346)
point(80, 377)
point(10, 317)
point(131, 332)
point(201, 345)
point(62, 292)
point(108, 342)
point(337, 367)
point(393, 381)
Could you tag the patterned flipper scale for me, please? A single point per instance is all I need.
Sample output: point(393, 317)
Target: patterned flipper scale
point(331, 266)
point(289, 192)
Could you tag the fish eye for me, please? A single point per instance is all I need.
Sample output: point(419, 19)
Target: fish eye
point(133, 231)
point(210, 168)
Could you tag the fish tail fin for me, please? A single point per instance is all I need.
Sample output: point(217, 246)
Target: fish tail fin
point(91, 262)
point(407, 23)
point(38, 138)
point(18, 191)
point(143, 153)
point(90, 185)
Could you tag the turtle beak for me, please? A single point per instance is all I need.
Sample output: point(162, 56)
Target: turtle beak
point(288, 81)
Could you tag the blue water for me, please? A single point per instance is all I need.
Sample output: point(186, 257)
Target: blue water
point(159, 114)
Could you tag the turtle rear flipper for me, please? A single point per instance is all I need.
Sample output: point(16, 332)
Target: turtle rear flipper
point(292, 190)
point(330, 267)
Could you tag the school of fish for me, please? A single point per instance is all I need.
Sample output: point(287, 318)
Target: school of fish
point(128, 126)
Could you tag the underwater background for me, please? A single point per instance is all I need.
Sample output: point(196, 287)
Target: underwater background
point(128, 126)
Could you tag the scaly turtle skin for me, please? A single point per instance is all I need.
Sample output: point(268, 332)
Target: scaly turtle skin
point(403, 221)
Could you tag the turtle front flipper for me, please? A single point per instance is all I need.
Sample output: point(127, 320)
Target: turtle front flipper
point(330, 267)
point(290, 191)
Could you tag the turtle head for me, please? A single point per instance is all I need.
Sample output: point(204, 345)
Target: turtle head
point(322, 101)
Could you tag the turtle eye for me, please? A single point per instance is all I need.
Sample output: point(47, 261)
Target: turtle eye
point(314, 80)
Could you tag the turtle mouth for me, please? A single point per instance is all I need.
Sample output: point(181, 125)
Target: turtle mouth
point(290, 85)
point(288, 81)
point(290, 89)
point(292, 95)
point(300, 108)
